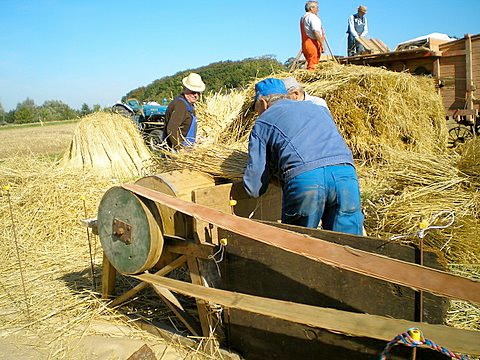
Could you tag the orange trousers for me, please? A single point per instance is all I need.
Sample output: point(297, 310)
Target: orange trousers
point(312, 49)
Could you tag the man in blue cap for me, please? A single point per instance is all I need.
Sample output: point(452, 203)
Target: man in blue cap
point(298, 144)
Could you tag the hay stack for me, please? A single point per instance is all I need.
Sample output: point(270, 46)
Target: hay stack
point(375, 107)
point(371, 106)
point(109, 144)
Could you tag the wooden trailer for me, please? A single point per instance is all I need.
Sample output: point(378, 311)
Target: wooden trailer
point(455, 66)
point(267, 290)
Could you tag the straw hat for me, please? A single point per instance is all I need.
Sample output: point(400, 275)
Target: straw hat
point(193, 82)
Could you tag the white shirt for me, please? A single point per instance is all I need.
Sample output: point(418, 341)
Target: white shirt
point(311, 23)
point(316, 100)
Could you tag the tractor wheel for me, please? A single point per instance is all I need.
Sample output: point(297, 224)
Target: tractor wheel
point(123, 111)
point(459, 135)
point(155, 139)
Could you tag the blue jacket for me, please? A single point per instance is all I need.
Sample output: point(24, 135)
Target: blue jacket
point(290, 138)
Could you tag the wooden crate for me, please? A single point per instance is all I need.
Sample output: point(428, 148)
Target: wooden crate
point(373, 46)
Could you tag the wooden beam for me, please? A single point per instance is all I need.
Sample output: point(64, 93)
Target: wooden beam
point(201, 304)
point(181, 314)
point(136, 289)
point(414, 276)
point(109, 275)
point(469, 73)
point(360, 325)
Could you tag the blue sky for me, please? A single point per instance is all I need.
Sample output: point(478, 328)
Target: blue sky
point(95, 51)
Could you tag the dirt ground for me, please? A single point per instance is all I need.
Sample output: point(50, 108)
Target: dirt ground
point(50, 140)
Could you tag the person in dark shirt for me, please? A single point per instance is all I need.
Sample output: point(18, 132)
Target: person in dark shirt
point(180, 120)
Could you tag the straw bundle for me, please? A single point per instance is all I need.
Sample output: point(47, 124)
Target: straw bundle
point(109, 144)
point(61, 306)
point(219, 113)
point(469, 162)
point(409, 188)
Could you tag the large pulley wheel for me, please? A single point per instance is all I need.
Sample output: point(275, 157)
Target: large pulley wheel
point(129, 231)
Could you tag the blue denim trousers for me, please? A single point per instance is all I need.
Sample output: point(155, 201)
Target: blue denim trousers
point(330, 194)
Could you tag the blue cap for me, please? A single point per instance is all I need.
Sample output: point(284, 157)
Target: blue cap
point(269, 86)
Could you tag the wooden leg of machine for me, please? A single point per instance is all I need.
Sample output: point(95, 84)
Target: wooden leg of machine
point(109, 275)
point(201, 304)
point(136, 289)
point(182, 315)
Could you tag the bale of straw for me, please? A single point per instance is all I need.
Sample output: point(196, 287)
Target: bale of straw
point(109, 144)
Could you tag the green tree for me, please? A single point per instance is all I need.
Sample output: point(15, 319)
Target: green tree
point(85, 110)
point(96, 108)
point(2, 114)
point(55, 110)
point(26, 112)
point(10, 117)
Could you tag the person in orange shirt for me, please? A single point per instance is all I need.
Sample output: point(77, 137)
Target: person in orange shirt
point(312, 34)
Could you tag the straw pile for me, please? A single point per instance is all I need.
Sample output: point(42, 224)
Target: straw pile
point(60, 306)
point(109, 144)
point(375, 107)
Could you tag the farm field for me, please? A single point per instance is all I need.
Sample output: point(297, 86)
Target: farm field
point(51, 139)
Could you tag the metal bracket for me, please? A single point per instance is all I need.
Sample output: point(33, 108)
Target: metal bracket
point(122, 230)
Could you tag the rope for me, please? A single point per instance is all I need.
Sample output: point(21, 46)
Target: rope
point(414, 338)
point(424, 227)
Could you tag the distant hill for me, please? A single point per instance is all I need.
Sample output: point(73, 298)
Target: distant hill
point(217, 76)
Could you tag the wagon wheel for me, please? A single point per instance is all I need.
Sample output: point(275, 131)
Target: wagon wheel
point(459, 135)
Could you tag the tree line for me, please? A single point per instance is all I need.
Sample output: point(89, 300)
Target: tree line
point(217, 76)
point(51, 110)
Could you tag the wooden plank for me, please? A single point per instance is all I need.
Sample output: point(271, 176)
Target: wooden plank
point(180, 313)
point(469, 74)
point(414, 276)
point(196, 278)
point(362, 325)
point(258, 269)
point(452, 53)
point(187, 247)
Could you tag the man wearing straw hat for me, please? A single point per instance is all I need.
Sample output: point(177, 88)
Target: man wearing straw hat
point(312, 34)
point(357, 27)
point(298, 144)
point(180, 120)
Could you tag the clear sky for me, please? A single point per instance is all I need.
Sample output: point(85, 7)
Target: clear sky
point(95, 51)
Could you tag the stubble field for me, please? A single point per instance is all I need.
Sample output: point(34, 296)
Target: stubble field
point(50, 140)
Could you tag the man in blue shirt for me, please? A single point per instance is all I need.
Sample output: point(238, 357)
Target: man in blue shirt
point(298, 144)
point(357, 27)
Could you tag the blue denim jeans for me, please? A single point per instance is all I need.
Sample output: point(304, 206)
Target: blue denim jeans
point(330, 194)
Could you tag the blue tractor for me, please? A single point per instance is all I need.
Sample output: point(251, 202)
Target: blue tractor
point(148, 116)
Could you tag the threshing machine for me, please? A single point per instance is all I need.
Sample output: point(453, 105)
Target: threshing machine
point(267, 290)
